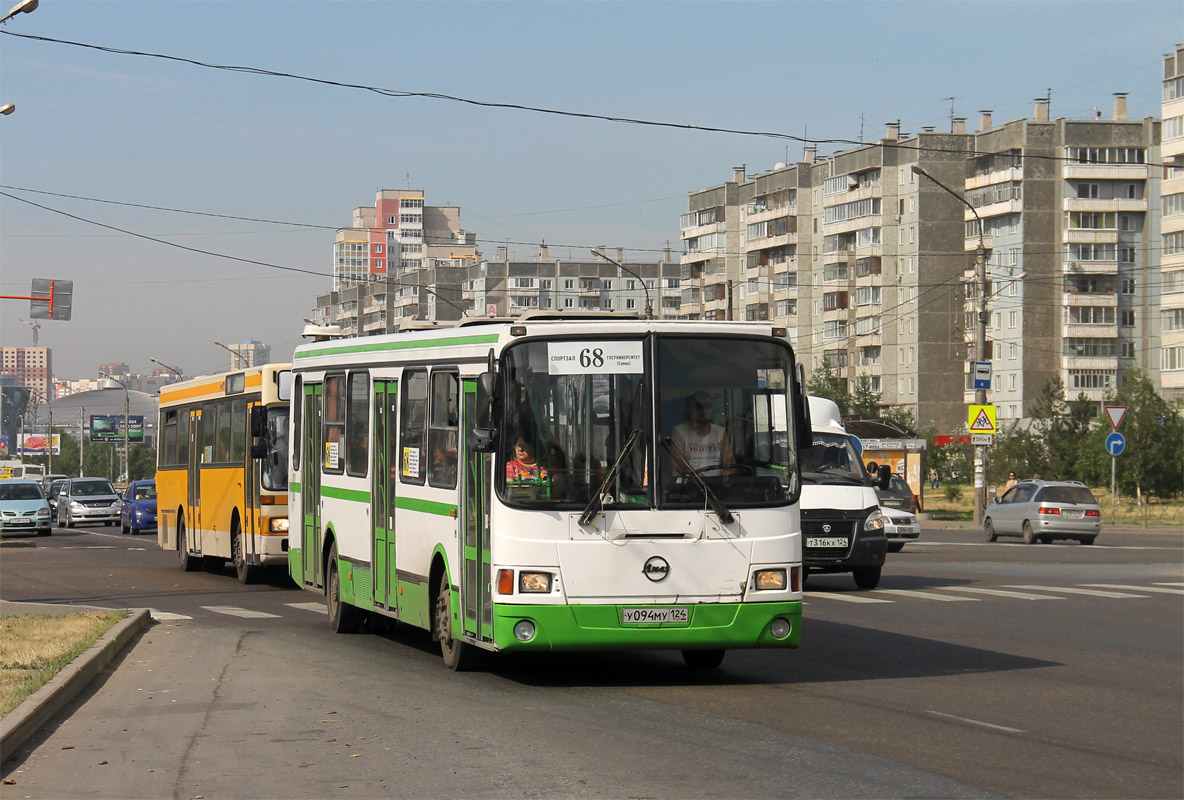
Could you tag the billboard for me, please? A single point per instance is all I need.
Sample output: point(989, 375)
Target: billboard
point(109, 428)
point(35, 444)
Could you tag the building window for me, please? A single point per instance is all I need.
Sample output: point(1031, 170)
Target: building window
point(1171, 358)
point(1087, 190)
point(1126, 349)
point(1127, 286)
point(377, 249)
point(1127, 319)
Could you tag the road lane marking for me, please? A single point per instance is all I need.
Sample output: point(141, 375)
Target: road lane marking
point(1071, 590)
point(1021, 544)
point(89, 547)
point(166, 616)
point(976, 722)
point(927, 595)
point(234, 611)
point(1160, 589)
point(317, 607)
point(846, 598)
point(1177, 583)
point(1001, 593)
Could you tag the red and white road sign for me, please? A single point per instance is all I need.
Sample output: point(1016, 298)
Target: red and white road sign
point(1115, 413)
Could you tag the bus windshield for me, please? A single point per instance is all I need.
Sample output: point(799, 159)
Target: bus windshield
point(658, 421)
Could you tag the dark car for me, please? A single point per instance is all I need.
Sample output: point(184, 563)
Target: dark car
point(52, 489)
point(1041, 511)
point(139, 507)
point(899, 495)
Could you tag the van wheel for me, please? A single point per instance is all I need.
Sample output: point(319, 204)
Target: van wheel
point(188, 563)
point(1030, 536)
point(866, 578)
point(989, 531)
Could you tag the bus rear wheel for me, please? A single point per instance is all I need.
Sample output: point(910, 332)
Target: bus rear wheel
point(459, 655)
point(188, 563)
point(343, 618)
point(703, 659)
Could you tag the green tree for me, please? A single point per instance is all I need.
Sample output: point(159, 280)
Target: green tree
point(1016, 450)
point(865, 401)
point(142, 462)
point(826, 382)
point(1154, 431)
point(902, 417)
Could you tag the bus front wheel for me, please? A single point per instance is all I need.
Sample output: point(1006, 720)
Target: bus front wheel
point(866, 578)
point(343, 618)
point(188, 563)
point(459, 656)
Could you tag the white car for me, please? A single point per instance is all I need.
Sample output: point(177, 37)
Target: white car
point(899, 527)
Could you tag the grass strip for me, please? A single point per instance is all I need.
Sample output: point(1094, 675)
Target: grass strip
point(35, 647)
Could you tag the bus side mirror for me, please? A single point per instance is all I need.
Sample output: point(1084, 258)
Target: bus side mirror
point(805, 428)
point(883, 477)
point(483, 430)
point(258, 421)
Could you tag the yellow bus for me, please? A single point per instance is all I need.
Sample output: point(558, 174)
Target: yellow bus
point(222, 470)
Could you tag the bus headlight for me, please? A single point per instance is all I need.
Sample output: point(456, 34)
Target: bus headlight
point(780, 628)
point(874, 521)
point(524, 630)
point(770, 579)
point(278, 525)
point(534, 582)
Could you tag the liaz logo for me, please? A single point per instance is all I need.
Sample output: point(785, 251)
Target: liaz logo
point(656, 569)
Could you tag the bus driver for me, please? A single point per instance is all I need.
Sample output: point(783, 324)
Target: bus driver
point(701, 442)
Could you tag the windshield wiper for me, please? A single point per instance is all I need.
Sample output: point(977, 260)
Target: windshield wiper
point(716, 505)
point(597, 501)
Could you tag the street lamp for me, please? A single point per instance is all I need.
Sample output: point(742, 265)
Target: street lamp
point(23, 7)
point(244, 361)
point(166, 366)
point(649, 308)
point(7, 108)
point(980, 341)
point(126, 404)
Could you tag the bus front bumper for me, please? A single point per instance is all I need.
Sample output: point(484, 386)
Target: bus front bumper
point(602, 627)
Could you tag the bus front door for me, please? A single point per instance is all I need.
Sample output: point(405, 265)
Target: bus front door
point(382, 493)
point(193, 495)
point(310, 487)
point(476, 586)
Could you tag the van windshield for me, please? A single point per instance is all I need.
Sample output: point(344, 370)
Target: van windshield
point(832, 459)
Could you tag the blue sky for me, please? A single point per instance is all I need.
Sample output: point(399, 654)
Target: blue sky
point(152, 132)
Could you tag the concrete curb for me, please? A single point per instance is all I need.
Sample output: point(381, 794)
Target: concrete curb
point(38, 708)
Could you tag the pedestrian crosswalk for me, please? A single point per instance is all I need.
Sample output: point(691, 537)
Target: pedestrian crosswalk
point(944, 594)
point(1026, 592)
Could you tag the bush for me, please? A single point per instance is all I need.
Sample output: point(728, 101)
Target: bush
point(951, 492)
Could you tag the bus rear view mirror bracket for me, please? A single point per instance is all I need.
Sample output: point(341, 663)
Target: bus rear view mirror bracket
point(484, 431)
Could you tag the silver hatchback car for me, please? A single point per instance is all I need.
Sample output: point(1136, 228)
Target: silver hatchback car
point(1041, 511)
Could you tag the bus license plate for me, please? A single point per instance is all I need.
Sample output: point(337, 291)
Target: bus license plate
point(826, 541)
point(639, 615)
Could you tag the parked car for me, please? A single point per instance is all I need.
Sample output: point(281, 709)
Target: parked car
point(1041, 511)
point(23, 507)
point(52, 489)
point(139, 507)
point(899, 495)
point(87, 500)
point(899, 527)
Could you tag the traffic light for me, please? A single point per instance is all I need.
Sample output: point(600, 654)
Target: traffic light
point(51, 299)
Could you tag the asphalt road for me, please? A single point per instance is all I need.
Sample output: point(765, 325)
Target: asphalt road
point(974, 670)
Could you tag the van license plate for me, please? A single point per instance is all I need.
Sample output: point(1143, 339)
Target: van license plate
point(826, 541)
point(638, 615)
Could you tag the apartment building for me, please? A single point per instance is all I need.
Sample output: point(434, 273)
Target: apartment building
point(248, 354)
point(868, 257)
point(1171, 277)
point(400, 260)
point(32, 366)
point(504, 288)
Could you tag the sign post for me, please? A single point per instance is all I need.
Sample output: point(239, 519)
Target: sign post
point(1115, 444)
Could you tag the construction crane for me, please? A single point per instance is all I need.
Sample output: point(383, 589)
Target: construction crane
point(36, 326)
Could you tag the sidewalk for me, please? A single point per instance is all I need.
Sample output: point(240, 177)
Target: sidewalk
point(38, 708)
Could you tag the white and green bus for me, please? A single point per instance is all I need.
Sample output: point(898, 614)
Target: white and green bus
point(538, 484)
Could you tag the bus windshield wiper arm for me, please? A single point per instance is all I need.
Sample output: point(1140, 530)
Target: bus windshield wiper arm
point(716, 504)
point(597, 501)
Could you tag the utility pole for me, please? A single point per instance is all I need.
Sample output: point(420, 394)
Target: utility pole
point(980, 341)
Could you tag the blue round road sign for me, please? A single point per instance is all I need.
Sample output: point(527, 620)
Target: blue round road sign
point(1115, 444)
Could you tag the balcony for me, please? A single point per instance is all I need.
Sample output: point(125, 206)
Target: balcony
point(998, 176)
point(1078, 330)
point(996, 209)
point(1091, 267)
point(1105, 172)
point(1096, 205)
point(1090, 362)
point(1090, 299)
point(1090, 236)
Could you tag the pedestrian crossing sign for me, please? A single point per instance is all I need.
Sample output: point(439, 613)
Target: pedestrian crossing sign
point(981, 419)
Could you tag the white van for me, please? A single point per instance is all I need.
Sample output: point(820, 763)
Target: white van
point(842, 526)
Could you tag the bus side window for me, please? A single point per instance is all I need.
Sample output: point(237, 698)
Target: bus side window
point(443, 430)
point(297, 443)
point(358, 424)
point(412, 422)
point(333, 427)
